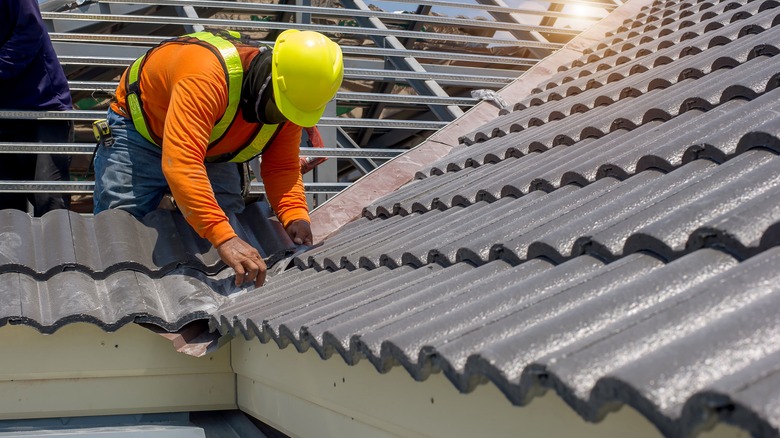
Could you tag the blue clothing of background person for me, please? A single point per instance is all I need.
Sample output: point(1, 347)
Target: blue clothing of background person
point(31, 79)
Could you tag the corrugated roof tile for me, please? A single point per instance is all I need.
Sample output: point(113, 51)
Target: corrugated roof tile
point(612, 239)
point(727, 44)
point(182, 296)
point(112, 269)
point(114, 241)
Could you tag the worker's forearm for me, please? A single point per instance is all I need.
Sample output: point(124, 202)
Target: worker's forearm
point(192, 191)
point(285, 192)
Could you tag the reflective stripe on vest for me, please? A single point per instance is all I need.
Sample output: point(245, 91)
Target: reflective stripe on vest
point(235, 77)
point(133, 90)
point(254, 149)
point(263, 137)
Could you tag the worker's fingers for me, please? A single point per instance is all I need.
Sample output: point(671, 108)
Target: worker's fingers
point(260, 272)
point(239, 274)
point(250, 275)
point(245, 261)
point(250, 268)
point(260, 280)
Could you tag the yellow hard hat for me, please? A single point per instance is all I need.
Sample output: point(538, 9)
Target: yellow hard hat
point(306, 72)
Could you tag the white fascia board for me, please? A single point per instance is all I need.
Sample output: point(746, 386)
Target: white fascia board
point(80, 370)
point(303, 395)
point(83, 371)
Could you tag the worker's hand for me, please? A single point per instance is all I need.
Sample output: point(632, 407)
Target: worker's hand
point(244, 259)
point(300, 232)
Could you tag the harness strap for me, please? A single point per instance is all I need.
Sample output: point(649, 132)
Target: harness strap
point(135, 107)
point(262, 138)
point(234, 72)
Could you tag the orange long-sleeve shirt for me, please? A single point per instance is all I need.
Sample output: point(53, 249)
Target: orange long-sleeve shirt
point(184, 93)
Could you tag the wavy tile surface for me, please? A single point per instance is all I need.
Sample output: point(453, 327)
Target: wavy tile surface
point(170, 302)
point(112, 269)
point(614, 238)
point(114, 240)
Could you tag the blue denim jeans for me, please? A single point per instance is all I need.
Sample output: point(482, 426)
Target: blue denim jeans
point(128, 175)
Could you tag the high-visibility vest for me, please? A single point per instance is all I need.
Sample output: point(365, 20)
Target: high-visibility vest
point(235, 73)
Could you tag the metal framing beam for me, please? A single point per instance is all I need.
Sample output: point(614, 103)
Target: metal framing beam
point(189, 11)
point(517, 33)
point(364, 165)
point(507, 9)
point(423, 87)
point(300, 9)
point(107, 40)
point(344, 96)
point(375, 110)
point(362, 31)
point(355, 73)
point(85, 115)
point(88, 187)
point(88, 148)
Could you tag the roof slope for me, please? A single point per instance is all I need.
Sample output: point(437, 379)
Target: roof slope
point(111, 269)
point(613, 238)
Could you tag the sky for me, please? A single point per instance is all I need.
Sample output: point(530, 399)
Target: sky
point(390, 6)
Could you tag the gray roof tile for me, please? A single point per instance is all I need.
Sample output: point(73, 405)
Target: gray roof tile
point(170, 302)
point(113, 269)
point(531, 325)
point(114, 241)
point(743, 404)
point(746, 81)
point(665, 329)
point(714, 134)
point(649, 70)
point(614, 239)
point(638, 83)
point(668, 214)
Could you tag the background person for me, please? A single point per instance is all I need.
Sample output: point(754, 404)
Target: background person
point(31, 79)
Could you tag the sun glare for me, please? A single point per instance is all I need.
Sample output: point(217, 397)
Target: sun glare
point(582, 10)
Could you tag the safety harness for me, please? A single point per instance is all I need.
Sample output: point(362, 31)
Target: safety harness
point(228, 55)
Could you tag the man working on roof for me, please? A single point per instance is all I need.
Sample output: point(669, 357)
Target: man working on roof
point(191, 108)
